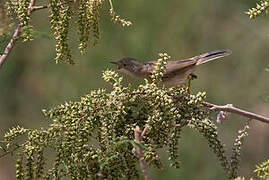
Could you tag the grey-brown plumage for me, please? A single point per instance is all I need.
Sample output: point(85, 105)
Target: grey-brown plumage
point(176, 71)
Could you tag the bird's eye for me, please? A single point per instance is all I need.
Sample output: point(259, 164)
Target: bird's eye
point(124, 65)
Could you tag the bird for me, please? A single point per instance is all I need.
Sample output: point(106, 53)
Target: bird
point(177, 71)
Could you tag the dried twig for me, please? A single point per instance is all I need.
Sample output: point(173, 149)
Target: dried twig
point(144, 131)
point(232, 109)
point(140, 153)
point(13, 150)
point(35, 8)
point(17, 33)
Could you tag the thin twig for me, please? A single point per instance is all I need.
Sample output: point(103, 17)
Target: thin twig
point(232, 109)
point(11, 151)
point(10, 45)
point(17, 33)
point(144, 131)
point(8, 152)
point(140, 153)
point(35, 8)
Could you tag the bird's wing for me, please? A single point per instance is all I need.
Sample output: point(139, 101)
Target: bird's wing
point(177, 76)
point(179, 64)
point(176, 71)
point(173, 65)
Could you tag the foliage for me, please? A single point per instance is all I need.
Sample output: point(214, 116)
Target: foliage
point(260, 9)
point(235, 159)
point(93, 138)
point(61, 14)
point(262, 170)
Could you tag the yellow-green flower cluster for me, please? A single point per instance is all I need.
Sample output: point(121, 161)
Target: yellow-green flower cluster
point(160, 68)
point(88, 22)
point(117, 19)
point(13, 134)
point(18, 9)
point(61, 13)
point(236, 153)
point(22, 12)
point(262, 170)
point(258, 10)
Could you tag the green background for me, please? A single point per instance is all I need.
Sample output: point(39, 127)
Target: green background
point(31, 81)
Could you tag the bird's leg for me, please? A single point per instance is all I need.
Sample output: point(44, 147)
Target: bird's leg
point(189, 84)
point(190, 77)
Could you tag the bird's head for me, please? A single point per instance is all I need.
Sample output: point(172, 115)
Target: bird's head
point(128, 65)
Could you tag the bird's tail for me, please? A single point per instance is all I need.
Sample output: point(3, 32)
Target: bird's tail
point(203, 58)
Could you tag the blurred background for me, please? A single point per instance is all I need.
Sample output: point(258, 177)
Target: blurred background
point(31, 81)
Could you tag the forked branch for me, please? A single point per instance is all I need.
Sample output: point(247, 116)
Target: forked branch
point(232, 109)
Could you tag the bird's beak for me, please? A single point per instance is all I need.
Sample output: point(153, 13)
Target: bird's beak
point(114, 62)
point(118, 68)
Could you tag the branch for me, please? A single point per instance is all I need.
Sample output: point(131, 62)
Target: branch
point(35, 8)
point(17, 32)
point(13, 150)
point(10, 45)
point(229, 108)
point(139, 152)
